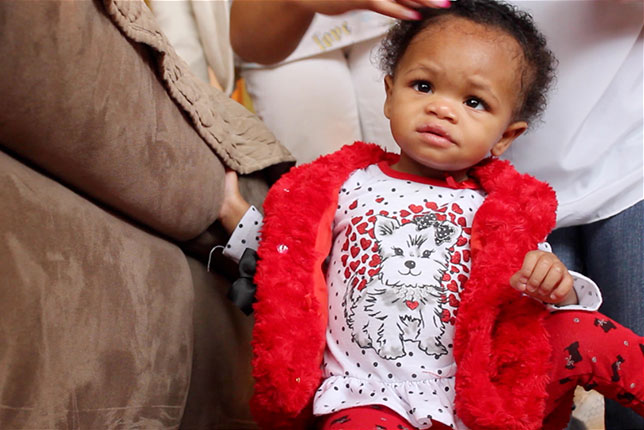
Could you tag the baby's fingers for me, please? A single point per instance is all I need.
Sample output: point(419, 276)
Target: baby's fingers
point(552, 279)
point(564, 291)
point(528, 278)
point(520, 279)
point(540, 273)
point(539, 276)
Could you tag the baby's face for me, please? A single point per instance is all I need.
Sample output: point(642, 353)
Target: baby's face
point(452, 99)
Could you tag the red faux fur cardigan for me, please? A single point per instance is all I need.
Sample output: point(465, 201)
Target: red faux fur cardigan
point(501, 346)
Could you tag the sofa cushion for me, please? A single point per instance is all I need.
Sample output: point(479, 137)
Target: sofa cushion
point(95, 314)
point(221, 385)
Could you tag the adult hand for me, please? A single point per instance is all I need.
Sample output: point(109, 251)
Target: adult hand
point(400, 9)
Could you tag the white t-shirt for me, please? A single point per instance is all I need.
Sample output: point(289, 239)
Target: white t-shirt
point(327, 33)
point(590, 146)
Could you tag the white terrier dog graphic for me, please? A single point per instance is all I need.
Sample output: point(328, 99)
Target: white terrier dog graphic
point(402, 302)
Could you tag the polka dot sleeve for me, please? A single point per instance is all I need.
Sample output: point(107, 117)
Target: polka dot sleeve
point(590, 298)
point(245, 235)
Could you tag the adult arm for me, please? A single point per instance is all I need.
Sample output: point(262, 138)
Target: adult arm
point(267, 31)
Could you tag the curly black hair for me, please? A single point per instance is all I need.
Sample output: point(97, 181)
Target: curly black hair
point(540, 63)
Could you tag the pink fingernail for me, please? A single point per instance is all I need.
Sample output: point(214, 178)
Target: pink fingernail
point(414, 15)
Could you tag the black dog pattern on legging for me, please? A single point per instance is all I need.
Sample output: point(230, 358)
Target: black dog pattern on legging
point(606, 325)
point(346, 418)
point(573, 355)
point(341, 420)
point(625, 397)
point(590, 386)
point(616, 367)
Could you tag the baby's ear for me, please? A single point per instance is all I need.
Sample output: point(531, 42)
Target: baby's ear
point(389, 83)
point(513, 131)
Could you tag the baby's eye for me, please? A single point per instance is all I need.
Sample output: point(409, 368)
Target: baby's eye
point(475, 103)
point(422, 86)
point(398, 251)
point(427, 253)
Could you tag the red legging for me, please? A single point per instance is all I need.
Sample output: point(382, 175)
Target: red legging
point(373, 417)
point(588, 349)
point(591, 350)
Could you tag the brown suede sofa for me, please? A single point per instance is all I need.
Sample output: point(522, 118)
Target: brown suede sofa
point(112, 158)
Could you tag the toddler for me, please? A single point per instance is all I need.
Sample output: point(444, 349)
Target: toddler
point(385, 297)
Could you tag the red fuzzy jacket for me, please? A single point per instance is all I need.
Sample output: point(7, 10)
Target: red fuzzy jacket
point(501, 346)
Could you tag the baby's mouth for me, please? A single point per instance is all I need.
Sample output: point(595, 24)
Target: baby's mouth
point(436, 133)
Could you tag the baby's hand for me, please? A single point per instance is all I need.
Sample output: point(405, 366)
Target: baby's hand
point(544, 277)
point(234, 206)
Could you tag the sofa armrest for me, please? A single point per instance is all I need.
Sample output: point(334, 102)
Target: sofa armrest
point(94, 95)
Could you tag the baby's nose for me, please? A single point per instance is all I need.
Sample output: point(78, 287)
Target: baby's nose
point(410, 264)
point(442, 108)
